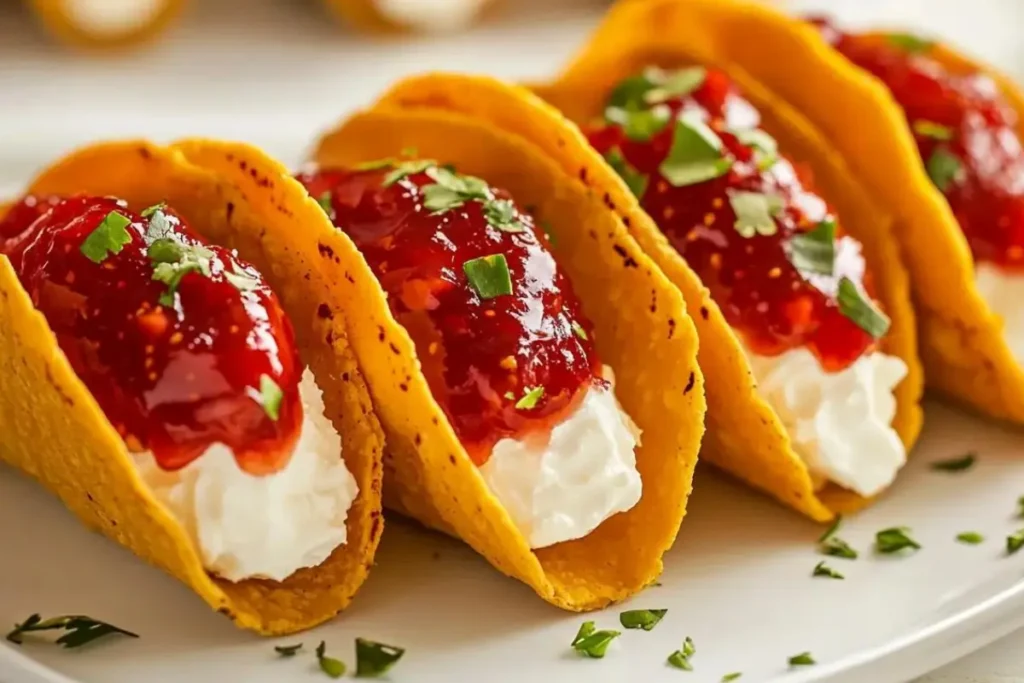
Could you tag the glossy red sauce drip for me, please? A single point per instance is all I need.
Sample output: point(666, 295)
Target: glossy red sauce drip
point(173, 380)
point(479, 356)
point(987, 194)
point(771, 304)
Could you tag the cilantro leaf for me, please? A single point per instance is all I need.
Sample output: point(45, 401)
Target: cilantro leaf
point(109, 237)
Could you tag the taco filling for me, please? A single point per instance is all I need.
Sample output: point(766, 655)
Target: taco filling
point(190, 356)
point(965, 131)
point(501, 338)
point(795, 289)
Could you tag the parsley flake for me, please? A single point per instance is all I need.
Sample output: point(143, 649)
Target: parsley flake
point(500, 214)
point(270, 397)
point(681, 657)
point(645, 619)
point(335, 668)
point(955, 464)
point(822, 569)
point(592, 643)
point(695, 155)
point(109, 237)
point(755, 212)
point(1014, 542)
point(861, 310)
point(634, 179)
point(814, 251)
point(910, 43)
point(287, 650)
point(731, 677)
point(837, 547)
point(944, 168)
point(80, 629)
point(802, 659)
point(375, 659)
point(970, 537)
point(893, 540)
point(530, 398)
point(930, 129)
point(489, 276)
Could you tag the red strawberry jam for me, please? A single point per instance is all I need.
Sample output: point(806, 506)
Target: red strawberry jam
point(965, 131)
point(505, 348)
point(182, 344)
point(736, 213)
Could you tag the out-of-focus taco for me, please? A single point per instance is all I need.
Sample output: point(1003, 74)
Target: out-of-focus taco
point(959, 197)
point(534, 371)
point(106, 24)
point(197, 404)
point(807, 332)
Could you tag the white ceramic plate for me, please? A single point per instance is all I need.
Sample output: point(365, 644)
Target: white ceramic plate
point(739, 580)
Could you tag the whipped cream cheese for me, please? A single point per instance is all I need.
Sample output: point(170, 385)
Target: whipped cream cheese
point(246, 526)
point(561, 488)
point(431, 15)
point(1003, 291)
point(112, 16)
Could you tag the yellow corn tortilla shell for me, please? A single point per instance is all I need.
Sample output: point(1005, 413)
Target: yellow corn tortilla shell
point(962, 344)
point(55, 431)
point(759, 48)
point(60, 20)
point(641, 326)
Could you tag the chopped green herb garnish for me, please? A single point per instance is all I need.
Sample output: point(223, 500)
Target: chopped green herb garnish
point(501, 215)
point(943, 168)
point(646, 619)
point(814, 251)
point(150, 210)
point(755, 212)
point(80, 629)
point(766, 147)
point(802, 659)
point(680, 661)
point(1020, 506)
point(971, 537)
point(629, 93)
point(592, 643)
point(241, 281)
point(689, 649)
point(375, 659)
point(634, 179)
point(287, 650)
point(335, 668)
point(910, 43)
point(640, 125)
point(955, 464)
point(861, 310)
point(401, 169)
point(832, 529)
point(270, 397)
point(324, 200)
point(450, 190)
point(530, 398)
point(108, 238)
point(731, 677)
point(488, 276)
point(930, 129)
point(165, 250)
point(672, 84)
point(159, 226)
point(510, 396)
point(888, 541)
point(837, 547)
point(822, 569)
point(579, 331)
point(188, 258)
point(1014, 542)
point(695, 155)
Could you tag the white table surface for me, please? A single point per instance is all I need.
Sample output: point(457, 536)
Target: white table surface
point(275, 71)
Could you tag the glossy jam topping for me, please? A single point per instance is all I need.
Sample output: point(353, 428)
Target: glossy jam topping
point(182, 344)
point(965, 131)
point(748, 268)
point(500, 361)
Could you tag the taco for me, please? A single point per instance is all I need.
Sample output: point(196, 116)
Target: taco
point(807, 333)
point(200, 407)
point(422, 16)
point(105, 25)
point(535, 374)
point(959, 196)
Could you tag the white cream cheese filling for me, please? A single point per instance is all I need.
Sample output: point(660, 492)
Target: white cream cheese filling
point(435, 16)
point(562, 488)
point(1003, 291)
point(112, 16)
point(246, 526)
